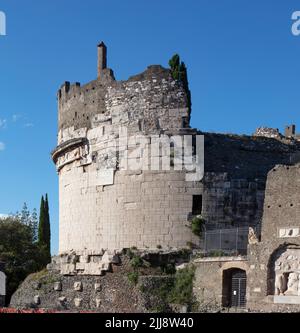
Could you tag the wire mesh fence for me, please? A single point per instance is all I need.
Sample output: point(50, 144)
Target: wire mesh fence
point(232, 240)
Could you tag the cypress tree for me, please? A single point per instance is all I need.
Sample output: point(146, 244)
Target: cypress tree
point(47, 226)
point(179, 72)
point(41, 235)
point(44, 230)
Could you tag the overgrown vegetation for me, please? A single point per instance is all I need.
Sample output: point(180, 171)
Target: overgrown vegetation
point(136, 262)
point(165, 287)
point(168, 269)
point(218, 253)
point(177, 289)
point(133, 277)
point(197, 225)
point(182, 291)
point(179, 72)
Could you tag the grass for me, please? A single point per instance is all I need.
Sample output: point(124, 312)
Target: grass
point(39, 275)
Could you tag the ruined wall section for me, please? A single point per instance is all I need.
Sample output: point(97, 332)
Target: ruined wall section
point(150, 101)
point(282, 207)
point(280, 238)
point(236, 169)
point(230, 202)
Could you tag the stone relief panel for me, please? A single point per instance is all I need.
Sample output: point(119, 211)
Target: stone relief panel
point(288, 232)
point(287, 273)
point(80, 153)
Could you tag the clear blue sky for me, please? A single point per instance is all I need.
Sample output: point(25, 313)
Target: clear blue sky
point(243, 64)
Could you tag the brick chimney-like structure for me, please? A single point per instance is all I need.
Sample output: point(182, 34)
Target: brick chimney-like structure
point(102, 59)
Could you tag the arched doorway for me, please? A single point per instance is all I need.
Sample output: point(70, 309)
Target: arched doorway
point(234, 288)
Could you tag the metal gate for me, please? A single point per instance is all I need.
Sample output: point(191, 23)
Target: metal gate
point(238, 289)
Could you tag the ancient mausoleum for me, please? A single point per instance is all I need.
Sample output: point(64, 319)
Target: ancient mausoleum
point(245, 192)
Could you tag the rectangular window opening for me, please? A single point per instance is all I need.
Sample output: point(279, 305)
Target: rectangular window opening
point(197, 205)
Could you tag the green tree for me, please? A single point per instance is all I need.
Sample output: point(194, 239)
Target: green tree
point(174, 64)
point(25, 215)
point(34, 225)
point(20, 255)
point(179, 72)
point(44, 229)
point(47, 225)
point(41, 234)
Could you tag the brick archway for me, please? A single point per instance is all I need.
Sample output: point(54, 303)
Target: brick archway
point(234, 283)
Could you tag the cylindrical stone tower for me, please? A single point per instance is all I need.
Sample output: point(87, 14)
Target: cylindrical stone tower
point(104, 206)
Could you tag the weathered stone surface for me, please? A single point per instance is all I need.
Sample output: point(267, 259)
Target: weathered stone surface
point(78, 302)
point(97, 286)
point(117, 294)
point(268, 132)
point(57, 286)
point(98, 302)
point(287, 300)
point(62, 300)
point(37, 300)
point(78, 286)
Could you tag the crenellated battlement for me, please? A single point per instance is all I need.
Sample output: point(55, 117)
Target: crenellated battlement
point(141, 96)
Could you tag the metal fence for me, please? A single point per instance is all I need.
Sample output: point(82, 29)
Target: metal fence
point(226, 240)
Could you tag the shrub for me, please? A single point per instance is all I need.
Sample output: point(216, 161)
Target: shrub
point(182, 292)
point(133, 277)
point(129, 253)
point(197, 225)
point(136, 262)
point(168, 269)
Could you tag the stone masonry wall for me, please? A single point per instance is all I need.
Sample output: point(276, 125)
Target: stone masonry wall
point(208, 283)
point(146, 210)
point(236, 169)
point(148, 101)
point(280, 232)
